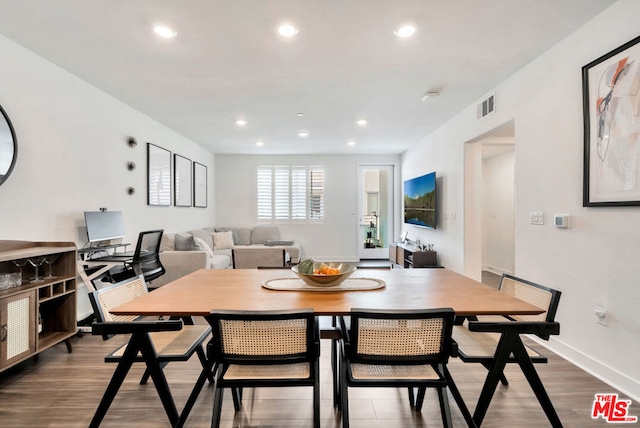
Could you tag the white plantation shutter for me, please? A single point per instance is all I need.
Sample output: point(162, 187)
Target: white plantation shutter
point(281, 193)
point(290, 193)
point(265, 195)
point(316, 198)
point(299, 193)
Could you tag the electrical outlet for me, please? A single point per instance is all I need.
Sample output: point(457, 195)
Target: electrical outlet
point(601, 315)
point(536, 217)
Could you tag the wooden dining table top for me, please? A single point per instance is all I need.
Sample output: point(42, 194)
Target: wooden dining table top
point(241, 289)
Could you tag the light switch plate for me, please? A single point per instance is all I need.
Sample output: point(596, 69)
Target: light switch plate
point(536, 217)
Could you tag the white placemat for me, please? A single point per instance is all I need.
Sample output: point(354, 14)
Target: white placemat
point(349, 284)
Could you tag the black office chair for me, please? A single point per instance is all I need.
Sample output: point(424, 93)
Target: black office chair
point(146, 259)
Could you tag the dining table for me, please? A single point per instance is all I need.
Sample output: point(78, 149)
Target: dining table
point(202, 291)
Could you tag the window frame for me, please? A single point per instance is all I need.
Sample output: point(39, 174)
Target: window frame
point(290, 193)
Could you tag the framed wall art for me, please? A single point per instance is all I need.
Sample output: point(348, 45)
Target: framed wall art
point(199, 185)
point(182, 181)
point(158, 175)
point(611, 108)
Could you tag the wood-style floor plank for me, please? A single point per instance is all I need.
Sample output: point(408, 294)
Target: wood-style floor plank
point(58, 389)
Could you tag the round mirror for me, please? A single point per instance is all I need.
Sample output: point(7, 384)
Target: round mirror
point(8, 146)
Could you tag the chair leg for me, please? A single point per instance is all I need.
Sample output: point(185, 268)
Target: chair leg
point(145, 375)
point(316, 395)
point(204, 375)
point(420, 398)
point(236, 394)
point(412, 400)
point(458, 397)
point(157, 375)
point(444, 407)
point(344, 395)
point(217, 406)
point(114, 385)
point(335, 370)
point(503, 378)
point(526, 365)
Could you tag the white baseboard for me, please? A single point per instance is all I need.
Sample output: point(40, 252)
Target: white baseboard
point(608, 375)
point(496, 270)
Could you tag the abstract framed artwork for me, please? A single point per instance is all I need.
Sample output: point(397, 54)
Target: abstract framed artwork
point(199, 185)
point(182, 181)
point(158, 176)
point(611, 108)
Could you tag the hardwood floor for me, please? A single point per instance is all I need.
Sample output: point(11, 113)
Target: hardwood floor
point(58, 389)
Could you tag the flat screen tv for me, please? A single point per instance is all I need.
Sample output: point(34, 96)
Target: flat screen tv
point(420, 201)
point(104, 225)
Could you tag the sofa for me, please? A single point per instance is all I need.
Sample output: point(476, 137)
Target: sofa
point(224, 248)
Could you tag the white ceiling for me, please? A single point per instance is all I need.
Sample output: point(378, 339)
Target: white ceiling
point(227, 61)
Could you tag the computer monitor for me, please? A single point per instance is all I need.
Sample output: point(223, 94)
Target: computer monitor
point(104, 225)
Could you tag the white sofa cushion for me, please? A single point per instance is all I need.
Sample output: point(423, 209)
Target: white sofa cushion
point(260, 234)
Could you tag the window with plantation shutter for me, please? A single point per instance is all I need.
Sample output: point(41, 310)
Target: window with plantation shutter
point(290, 193)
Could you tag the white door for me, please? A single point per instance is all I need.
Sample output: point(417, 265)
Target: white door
point(375, 211)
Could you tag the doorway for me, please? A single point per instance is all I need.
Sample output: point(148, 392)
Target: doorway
point(375, 210)
point(489, 240)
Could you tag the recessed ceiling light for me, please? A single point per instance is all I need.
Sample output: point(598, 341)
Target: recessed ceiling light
point(259, 143)
point(241, 122)
point(406, 30)
point(287, 30)
point(303, 134)
point(164, 31)
point(361, 122)
point(351, 143)
point(300, 115)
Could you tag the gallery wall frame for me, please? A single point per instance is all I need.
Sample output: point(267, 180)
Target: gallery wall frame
point(182, 181)
point(158, 176)
point(199, 185)
point(611, 104)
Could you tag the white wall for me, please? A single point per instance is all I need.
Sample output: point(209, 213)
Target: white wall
point(594, 262)
point(498, 239)
point(332, 239)
point(72, 156)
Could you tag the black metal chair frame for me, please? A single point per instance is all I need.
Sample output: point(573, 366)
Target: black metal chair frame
point(438, 361)
point(223, 360)
point(511, 349)
point(140, 348)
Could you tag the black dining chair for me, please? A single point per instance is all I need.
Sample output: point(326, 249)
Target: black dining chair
point(495, 341)
point(264, 349)
point(399, 349)
point(154, 342)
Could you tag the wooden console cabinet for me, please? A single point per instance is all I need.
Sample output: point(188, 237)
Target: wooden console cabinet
point(36, 316)
point(404, 256)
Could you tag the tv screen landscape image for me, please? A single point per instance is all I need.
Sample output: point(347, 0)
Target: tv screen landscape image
point(420, 201)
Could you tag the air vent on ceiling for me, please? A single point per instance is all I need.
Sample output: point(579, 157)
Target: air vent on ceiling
point(487, 106)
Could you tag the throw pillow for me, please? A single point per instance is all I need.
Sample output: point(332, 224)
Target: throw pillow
point(186, 242)
point(168, 242)
point(204, 246)
point(222, 240)
point(236, 236)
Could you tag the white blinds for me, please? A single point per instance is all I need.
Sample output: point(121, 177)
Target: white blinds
point(290, 192)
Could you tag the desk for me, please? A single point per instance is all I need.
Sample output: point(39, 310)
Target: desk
point(240, 289)
point(103, 264)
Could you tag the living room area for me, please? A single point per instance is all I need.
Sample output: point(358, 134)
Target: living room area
point(74, 156)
